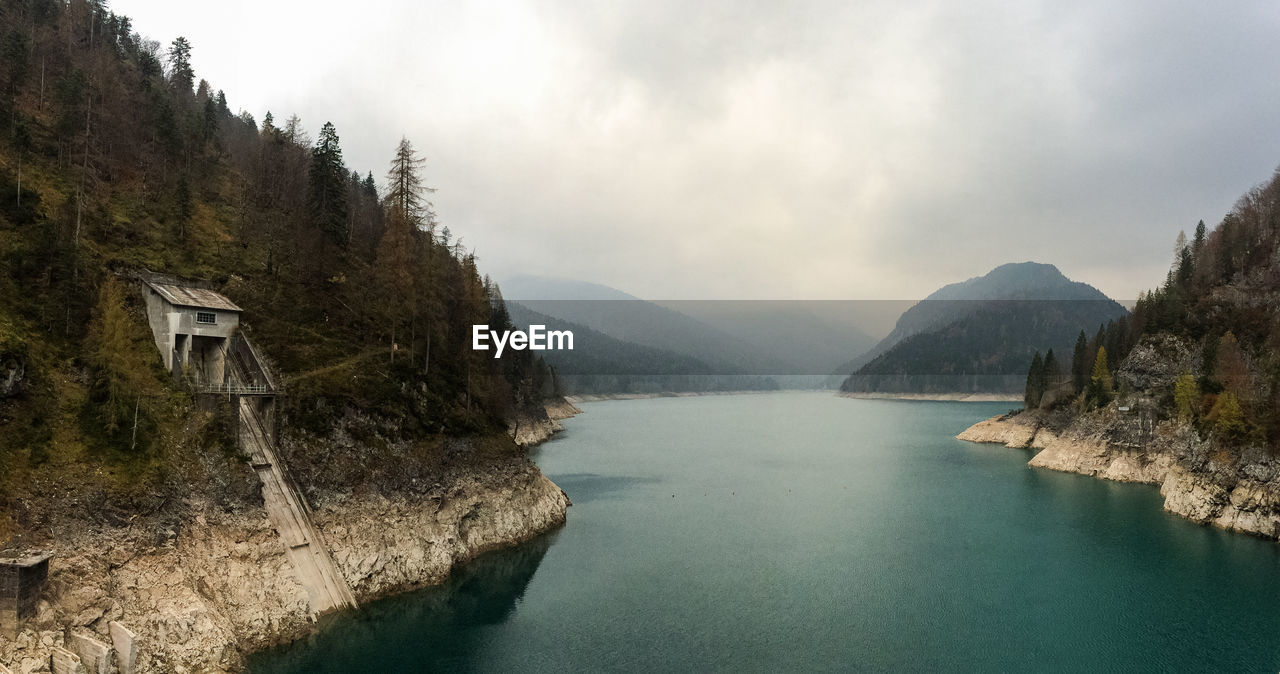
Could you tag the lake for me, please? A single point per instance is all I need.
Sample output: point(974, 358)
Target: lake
point(800, 531)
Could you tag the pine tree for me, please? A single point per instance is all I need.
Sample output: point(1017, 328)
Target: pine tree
point(181, 74)
point(394, 271)
point(1035, 383)
point(1198, 241)
point(328, 186)
point(1079, 364)
point(405, 191)
point(1052, 372)
point(1100, 380)
point(1186, 268)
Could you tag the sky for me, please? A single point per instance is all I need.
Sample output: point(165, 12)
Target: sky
point(734, 149)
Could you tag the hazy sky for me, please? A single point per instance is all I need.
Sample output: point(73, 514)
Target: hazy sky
point(733, 149)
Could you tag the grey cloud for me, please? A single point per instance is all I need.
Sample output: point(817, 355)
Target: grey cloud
point(727, 149)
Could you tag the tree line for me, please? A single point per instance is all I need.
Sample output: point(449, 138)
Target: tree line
point(115, 155)
point(1216, 302)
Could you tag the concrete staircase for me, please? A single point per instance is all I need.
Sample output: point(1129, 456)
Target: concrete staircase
point(288, 511)
point(253, 391)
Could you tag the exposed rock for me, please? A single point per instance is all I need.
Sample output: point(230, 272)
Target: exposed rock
point(1011, 430)
point(561, 409)
point(1235, 492)
point(219, 590)
point(533, 428)
point(1156, 362)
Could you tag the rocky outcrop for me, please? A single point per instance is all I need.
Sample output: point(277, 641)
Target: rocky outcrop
point(1156, 362)
point(1010, 430)
point(1235, 491)
point(531, 428)
point(203, 594)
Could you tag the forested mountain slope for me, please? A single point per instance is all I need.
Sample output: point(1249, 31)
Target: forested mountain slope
point(980, 335)
point(114, 157)
point(1205, 343)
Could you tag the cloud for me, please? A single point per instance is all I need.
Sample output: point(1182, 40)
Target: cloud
point(756, 150)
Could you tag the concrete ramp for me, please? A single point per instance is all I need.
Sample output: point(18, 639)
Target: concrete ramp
point(308, 553)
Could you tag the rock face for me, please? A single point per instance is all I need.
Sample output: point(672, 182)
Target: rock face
point(533, 428)
point(1010, 430)
point(220, 585)
point(1240, 492)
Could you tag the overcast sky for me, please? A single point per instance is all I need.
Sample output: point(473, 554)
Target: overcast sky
point(733, 149)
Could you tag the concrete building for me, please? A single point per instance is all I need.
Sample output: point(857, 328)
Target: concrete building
point(193, 328)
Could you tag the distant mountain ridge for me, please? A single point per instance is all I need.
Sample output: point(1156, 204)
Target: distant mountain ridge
point(1029, 281)
point(980, 334)
point(600, 364)
point(798, 342)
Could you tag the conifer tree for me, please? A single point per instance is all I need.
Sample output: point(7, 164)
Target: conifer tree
point(1100, 380)
point(1052, 372)
point(1079, 364)
point(328, 185)
point(1034, 389)
point(394, 271)
point(181, 74)
point(405, 191)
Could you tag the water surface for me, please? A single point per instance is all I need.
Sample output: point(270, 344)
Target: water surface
point(800, 531)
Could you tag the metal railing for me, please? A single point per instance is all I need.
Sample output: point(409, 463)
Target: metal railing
point(233, 388)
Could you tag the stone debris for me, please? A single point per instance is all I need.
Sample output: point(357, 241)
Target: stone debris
point(63, 661)
point(95, 654)
point(125, 643)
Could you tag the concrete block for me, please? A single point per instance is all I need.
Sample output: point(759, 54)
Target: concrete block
point(95, 655)
point(126, 645)
point(63, 661)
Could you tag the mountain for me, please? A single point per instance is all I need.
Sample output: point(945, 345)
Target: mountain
point(812, 337)
point(628, 318)
point(524, 287)
point(600, 364)
point(1187, 397)
point(981, 334)
point(798, 343)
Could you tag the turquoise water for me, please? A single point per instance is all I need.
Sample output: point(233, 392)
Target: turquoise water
point(799, 531)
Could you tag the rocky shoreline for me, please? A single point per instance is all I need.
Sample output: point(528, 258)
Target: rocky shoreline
point(532, 429)
point(203, 594)
point(936, 397)
point(1234, 491)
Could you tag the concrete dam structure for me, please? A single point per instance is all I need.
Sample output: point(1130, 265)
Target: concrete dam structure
point(197, 331)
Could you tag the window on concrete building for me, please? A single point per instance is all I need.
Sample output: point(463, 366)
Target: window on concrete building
point(206, 317)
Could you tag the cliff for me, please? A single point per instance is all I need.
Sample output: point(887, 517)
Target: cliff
point(1239, 491)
